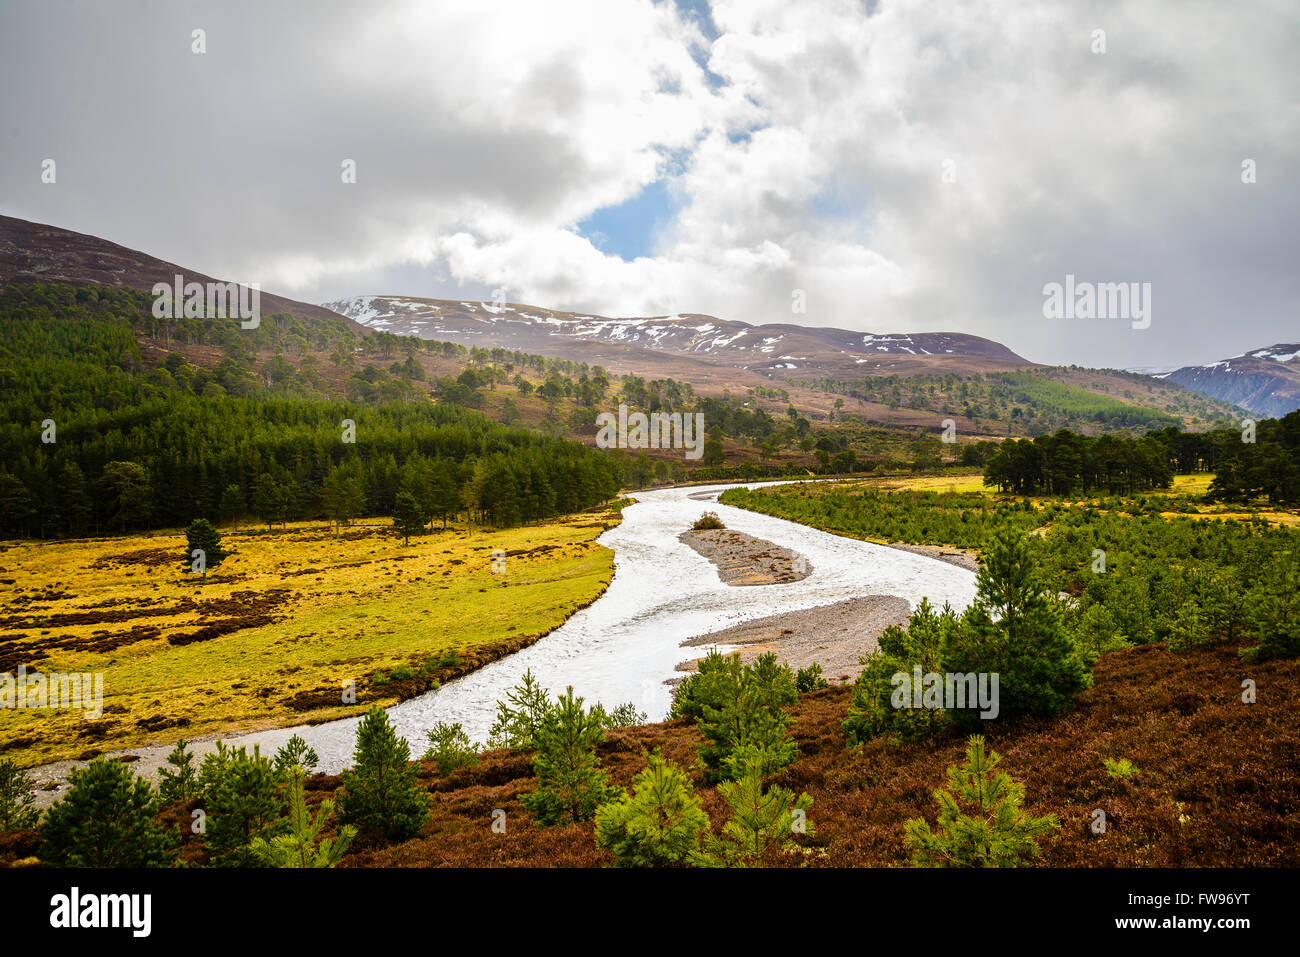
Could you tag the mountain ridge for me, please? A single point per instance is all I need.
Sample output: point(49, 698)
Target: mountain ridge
point(1263, 381)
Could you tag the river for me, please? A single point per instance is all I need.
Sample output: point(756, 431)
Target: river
point(626, 644)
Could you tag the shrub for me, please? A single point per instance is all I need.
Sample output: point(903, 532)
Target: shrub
point(402, 673)
point(708, 521)
point(626, 715)
point(381, 796)
point(302, 846)
point(1274, 601)
point(810, 679)
point(450, 747)
point(872, 711)
point(17, 798)
point(295, 753)
point(520, 716)
point(107, 819)
point(450, 659)
point(181, 784)
point(761, 822)
point(997, 833)
point(570, 782)
point(1123, 768)
point(659, 824)
point(1096, 632)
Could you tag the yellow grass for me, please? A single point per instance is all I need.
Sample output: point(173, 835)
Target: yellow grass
point(344, 608)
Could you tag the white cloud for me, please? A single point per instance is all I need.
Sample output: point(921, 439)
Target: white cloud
point(484, 134)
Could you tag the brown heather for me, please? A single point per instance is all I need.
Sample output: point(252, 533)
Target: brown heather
point(1218, 781)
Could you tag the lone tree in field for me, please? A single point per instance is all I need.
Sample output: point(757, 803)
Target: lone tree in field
point(408, 519)
point(202, 537)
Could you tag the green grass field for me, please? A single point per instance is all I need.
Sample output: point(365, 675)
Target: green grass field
point(274, 634)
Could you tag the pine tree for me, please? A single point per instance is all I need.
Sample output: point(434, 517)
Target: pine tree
point(75, 500)
point(1014, 629)
point(520, 717)
point(105, 820)
point(570, 782)
point(761, 823)
point(899, 649)
point(446, 490)
point(407, 517)
point(450, 747)
point(343, 496)
point(1274, 603)
point(232, 505)
point(16, 504)
point(743, 705)
point(995, 832)
point(295, 753)
point(1188, 629)
point(201, 535)
point(182, 784)
point(270, 499)
point(381, 796)
point(659, 825)
point(302, 845)
point(17, 798)
point(128, 486)
point(241, 794)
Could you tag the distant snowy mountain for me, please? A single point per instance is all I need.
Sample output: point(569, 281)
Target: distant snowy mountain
point(1265, 382)
point(779, 348)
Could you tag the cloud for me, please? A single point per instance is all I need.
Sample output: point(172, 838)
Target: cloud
point(804, 146)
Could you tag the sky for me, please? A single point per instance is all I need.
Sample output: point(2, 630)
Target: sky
point(892, 166)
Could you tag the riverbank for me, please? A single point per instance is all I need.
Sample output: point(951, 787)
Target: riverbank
point(834, 636)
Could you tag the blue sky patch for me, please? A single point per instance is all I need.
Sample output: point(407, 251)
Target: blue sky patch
point(630, 229)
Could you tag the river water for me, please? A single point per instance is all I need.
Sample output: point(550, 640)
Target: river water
point(627, 643)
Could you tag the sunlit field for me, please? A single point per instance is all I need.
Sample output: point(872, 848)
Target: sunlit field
point(273, 636)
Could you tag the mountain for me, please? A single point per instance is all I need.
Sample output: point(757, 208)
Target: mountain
point(776, 350)
point(901, 380)
point(33, 252)
point(1265, 382)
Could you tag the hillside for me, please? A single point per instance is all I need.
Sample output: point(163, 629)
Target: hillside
point(33, 252)
point(906, 381)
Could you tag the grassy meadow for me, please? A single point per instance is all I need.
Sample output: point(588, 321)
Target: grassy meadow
point(273, 635)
